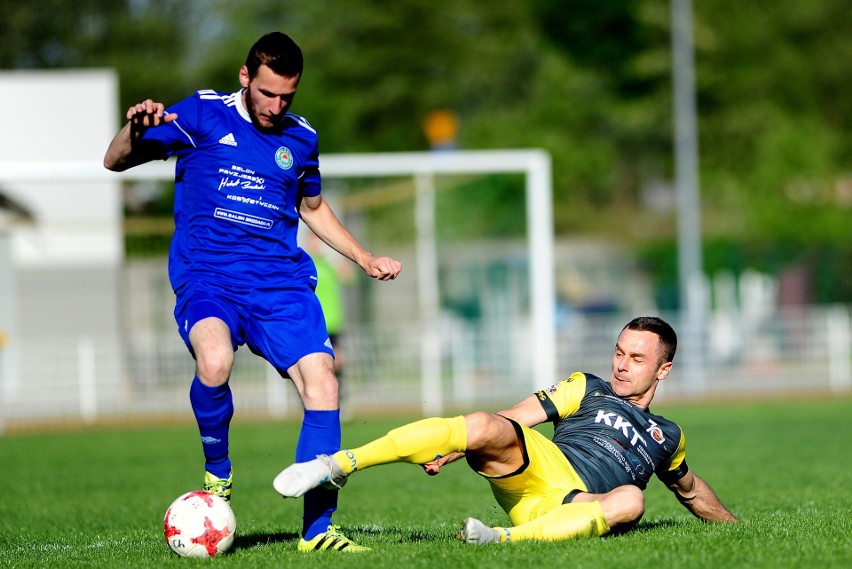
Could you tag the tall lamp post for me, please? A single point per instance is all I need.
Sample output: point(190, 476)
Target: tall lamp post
point(688, 196)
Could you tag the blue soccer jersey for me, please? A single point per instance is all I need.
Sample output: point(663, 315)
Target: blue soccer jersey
point(237, 191)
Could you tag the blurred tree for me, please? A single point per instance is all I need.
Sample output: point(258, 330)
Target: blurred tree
point(606, 36)
point(774, 115)
point(53, 34)
point(140, 38)
point(588, 81)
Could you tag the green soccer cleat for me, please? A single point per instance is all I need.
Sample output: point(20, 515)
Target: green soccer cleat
point(331, 540)
point(218, 486)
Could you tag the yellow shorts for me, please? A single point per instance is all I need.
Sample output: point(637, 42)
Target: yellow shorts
point(541, 484)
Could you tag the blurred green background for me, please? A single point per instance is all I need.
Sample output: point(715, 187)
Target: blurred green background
point(589, 81)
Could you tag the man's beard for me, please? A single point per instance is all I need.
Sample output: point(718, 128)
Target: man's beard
point(275, 127)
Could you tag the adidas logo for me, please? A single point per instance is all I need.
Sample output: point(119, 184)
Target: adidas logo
point(228, 139)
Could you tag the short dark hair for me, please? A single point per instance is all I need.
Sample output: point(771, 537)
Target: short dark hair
point(667, 335)
point(277, 51)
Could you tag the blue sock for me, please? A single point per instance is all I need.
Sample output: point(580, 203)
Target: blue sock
point(320, 435)
point(213, 408)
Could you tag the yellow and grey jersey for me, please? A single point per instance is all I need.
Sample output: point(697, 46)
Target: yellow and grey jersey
point(609, 441)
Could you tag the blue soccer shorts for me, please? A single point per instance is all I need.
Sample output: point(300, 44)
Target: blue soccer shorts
point(280, 325)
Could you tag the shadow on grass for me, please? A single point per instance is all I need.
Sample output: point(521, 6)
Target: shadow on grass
point(403, 535)
point(395, 535)
point(655, 525)
point(263, 538)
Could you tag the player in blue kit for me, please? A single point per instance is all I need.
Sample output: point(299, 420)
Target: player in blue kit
point(247, 171)
point(587, 480)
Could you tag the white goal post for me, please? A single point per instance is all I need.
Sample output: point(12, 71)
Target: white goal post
point(534, 164)
point(424, 166)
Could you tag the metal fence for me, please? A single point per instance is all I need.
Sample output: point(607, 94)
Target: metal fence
point(144, 372)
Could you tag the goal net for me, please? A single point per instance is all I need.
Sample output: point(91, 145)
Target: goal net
point(406, 345)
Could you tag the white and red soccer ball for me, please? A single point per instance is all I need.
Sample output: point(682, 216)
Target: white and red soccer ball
point(199, 524)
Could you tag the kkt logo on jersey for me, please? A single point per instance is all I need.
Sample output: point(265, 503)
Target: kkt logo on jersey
point(284, 158)
point(619, 423)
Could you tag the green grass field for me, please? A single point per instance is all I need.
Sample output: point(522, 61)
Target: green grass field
point(96, 498)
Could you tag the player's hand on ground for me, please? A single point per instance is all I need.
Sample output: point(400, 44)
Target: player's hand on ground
point(383, 268)
point(433, 467)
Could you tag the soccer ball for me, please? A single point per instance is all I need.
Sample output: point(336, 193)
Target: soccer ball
point(199, 524)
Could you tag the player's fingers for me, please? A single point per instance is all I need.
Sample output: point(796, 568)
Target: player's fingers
point(385, 275)
point(136, 114)
point(388, 268)
point(375, 270)
point(153, 113)
point(148, 113)
point(140, 108)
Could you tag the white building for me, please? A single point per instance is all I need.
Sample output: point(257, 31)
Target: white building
point(58, 269)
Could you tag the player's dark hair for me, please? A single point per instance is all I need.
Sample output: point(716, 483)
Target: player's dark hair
point(277, 51)
point(668, 338)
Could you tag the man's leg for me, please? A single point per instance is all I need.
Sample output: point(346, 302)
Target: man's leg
point(486, 439)
point(211, 400)
point(319, 435)
point(588, 515)
point(416, 443)
point(314, 379)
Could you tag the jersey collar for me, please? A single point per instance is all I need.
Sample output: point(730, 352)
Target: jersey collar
point(241, 106)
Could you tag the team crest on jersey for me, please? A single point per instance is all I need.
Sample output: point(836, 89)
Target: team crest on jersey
point(284, 158)
point(656, 433)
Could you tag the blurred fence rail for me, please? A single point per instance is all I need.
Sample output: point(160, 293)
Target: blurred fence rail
point(144, 374)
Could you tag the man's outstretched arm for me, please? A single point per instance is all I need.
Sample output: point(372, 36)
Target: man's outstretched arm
point(697, 497)
point(319, 217)
point(127, 148)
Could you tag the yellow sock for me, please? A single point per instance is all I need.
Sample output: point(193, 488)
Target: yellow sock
point(417, 443)
point(568, 521)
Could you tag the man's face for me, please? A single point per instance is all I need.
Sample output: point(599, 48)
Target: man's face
point(267, 96)
point(636, 366)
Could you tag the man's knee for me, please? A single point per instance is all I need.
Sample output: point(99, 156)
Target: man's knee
point(314, 378)
point(486, 430)
point(214, 354)
point(493, 447)
point(477, 420)
point(623, 507)
point(320, 391)
point(213, 367)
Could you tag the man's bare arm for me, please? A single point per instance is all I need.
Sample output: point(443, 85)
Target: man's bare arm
point(127, 148)
point(697, 497)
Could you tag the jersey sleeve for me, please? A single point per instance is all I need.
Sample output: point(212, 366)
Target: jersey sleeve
point(310, 183)
point(676, 468)
point(563, 398)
